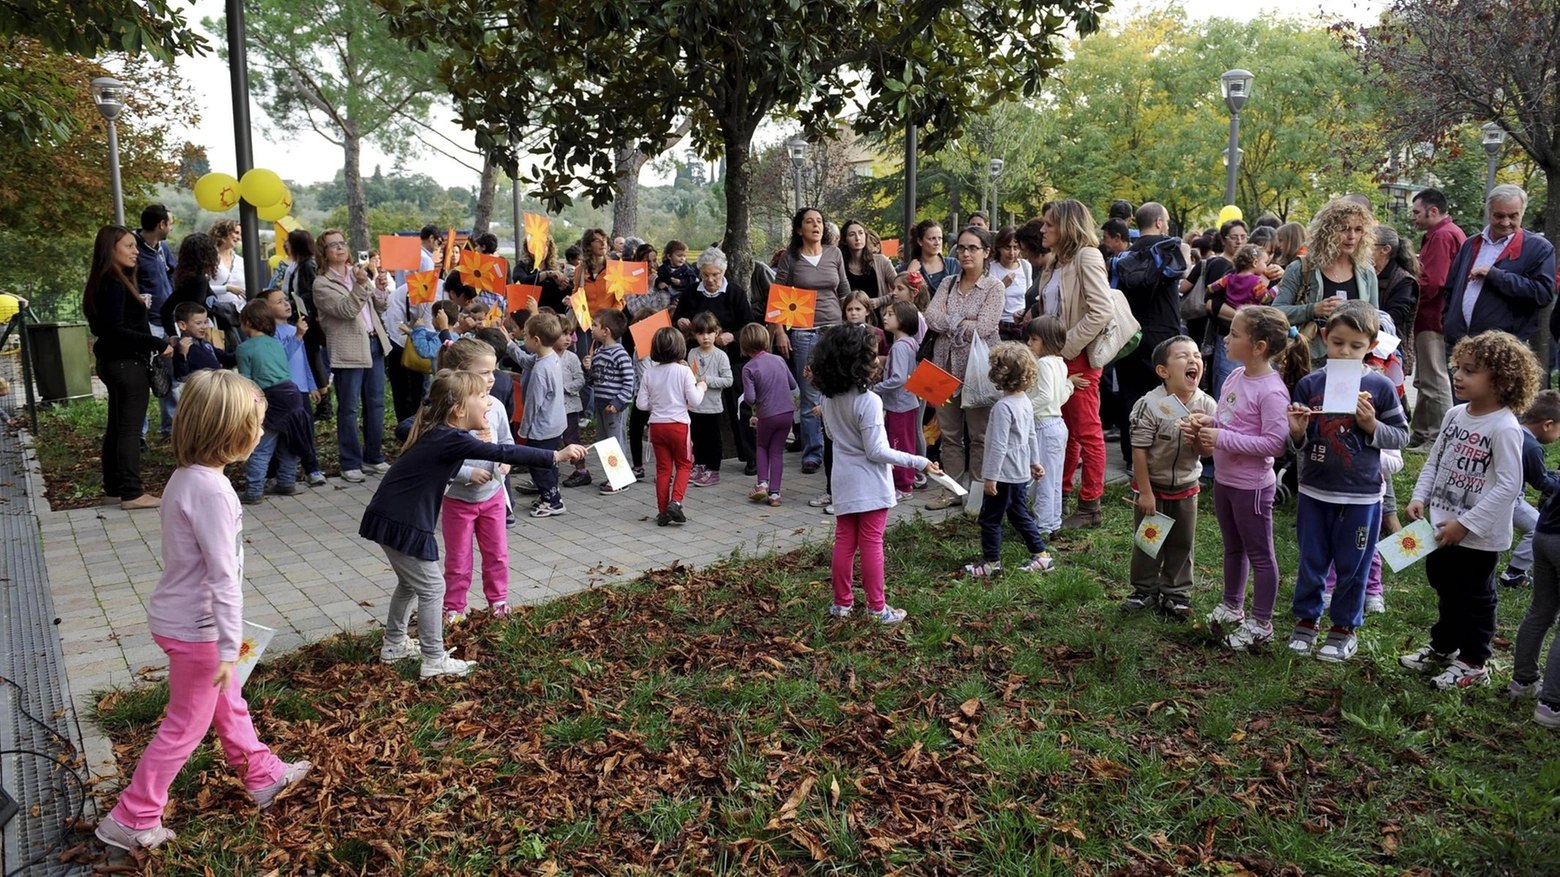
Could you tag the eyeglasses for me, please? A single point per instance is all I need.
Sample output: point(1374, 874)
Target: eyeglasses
point(334, 245)
point(968, 248)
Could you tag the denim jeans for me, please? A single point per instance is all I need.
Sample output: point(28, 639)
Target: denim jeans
point(260, 461)
point(361, 390)
point(802, 341)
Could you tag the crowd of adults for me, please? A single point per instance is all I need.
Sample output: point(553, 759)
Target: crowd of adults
point(982, 284)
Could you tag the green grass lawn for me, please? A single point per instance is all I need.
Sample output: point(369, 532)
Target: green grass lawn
point(717, 722)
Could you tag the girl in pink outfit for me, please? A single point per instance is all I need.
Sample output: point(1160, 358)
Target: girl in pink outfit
point(1247, 285)
point(668, 390)
point(196, 612)
point(476, 502)
point(1249, 430)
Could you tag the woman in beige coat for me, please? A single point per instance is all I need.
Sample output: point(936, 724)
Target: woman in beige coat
point(348, 312)
point(1075, 287)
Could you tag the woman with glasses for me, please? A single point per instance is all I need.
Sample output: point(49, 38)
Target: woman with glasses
point(967, 304)
point(349, 311)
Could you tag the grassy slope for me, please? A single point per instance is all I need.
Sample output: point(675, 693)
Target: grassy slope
point(718, 722)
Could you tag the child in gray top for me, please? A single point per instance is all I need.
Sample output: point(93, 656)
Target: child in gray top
point(1012, 460)
point(711, 364)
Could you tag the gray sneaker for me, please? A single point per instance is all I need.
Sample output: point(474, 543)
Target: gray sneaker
point(408, 648)
point(376, 468)
point(116, 834)
point(446, 666)
point(355, 476)
point(293, 773)
point(1302, 638)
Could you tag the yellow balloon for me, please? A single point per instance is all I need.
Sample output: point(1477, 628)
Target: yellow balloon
point(1230, 212)
point(279, 209)
point(274, 261)
point(261, 187)
point(216, 192)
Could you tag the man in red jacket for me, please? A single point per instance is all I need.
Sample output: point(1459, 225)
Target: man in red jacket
point(1432, 379)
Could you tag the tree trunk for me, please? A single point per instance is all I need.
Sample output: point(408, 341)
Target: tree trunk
point(485, 192)
point(739, 182)
point(357, 201)
point(625, 207)
point(955, 205)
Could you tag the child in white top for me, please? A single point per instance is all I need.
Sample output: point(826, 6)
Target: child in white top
point(1012, 460)
point(196, 612)
point(1470, 482)
point(710, 363)
point(667, 391)
point(900, 407)
point(1016, 275)
point(1046, 335)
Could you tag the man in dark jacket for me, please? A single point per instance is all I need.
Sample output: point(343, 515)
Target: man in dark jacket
point(1502, 277)
point(1149, 275)
point(154, 277)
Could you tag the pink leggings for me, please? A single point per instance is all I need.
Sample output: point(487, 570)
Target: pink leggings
point(863, 530)
point(486, 520)
point(770, 449)
point(901, 427)
point(194, 705)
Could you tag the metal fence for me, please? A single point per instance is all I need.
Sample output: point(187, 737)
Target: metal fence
point(16, 367)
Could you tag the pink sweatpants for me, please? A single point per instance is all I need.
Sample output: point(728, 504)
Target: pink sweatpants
point(864, 531)
point(486, 519)
point(194, 705)
point(901, 427)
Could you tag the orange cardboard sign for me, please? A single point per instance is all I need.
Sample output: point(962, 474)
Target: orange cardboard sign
point(470, 264)
point(521, 294)
point(422, 287)
point(791, 307)
point(644, 331)
point(536, 229)
point(449, 250)
point(400, 252)
point(628, 278)
point(490, 277)
point(932, 383)
point(891, 248)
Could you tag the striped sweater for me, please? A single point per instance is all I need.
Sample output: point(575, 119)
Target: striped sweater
point(611, 373)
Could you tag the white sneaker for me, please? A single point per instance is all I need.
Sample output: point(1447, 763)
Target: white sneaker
point(376, 468)
point(1223, 615)
point(446, 666)
point(409, 648)
point(355, 476)
point(1375, 603)
point(821, 501)
point(451, 617)
point(114, 833)
point(1460, 675)
point(1427, 660)
point(317, 479)
point(1251, 632)
point(1338, 648)
point(903, 496)
point(1517, 690)
point(294, 773)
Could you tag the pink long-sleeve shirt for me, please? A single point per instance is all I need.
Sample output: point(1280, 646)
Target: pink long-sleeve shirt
point(1253, 424)
point(200, 597)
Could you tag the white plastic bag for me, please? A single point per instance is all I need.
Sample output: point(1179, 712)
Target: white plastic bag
point(978, 391)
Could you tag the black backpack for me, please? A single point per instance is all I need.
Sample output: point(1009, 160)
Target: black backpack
point(1149, 267)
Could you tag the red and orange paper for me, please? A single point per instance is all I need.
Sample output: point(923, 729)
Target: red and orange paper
point(520, 294)
point(628, 278)
point(932, 383)
point(644, 331)
point(400, 252)
point(422, 287)
point(536, 229)
point(791, 307)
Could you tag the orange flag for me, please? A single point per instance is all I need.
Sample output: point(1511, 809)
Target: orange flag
point(628, 278)
point(891, 248)
point(422, 287)
point(932, 383)
point(791, 307)
point(521, 294)
point(644, 331)
point(398, 252)
point(490, 277)
point(536, 229)
point(581, 309)
point(470, 267)
point(449, 250)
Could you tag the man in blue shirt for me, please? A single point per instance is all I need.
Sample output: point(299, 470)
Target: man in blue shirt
point(154, 277)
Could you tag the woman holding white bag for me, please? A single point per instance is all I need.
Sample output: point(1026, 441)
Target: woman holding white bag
point(965, 311)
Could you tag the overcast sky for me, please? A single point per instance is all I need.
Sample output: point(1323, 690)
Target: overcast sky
point(309, 158)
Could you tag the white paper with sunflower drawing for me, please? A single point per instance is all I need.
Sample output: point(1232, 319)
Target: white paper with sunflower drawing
point(614, 463)
point(256, 638)
point(1408, 545)
point(1151, 533)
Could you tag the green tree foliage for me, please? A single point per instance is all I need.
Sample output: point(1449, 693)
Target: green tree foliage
point(601, 76)
point(333, 68)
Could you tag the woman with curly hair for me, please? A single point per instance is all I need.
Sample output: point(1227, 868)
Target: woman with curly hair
point(842, 365)
point(1337, 267)
point(227, 284)
point(1469, 484)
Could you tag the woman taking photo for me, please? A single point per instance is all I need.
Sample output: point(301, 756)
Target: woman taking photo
point(866, 270)
point(349, 312)
point(227, 285)
point(121, 322)
point(1074, 287)
point(809, 263)
point(966, 305)
point(1337, 267)
point(926, 256)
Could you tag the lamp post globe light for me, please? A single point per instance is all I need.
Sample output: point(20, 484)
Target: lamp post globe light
point(798, 149)
point(1494, 140)
point(995, 166)
point(109, 95)
point(1235, 85)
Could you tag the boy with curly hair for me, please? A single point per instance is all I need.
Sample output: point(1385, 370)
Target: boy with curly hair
point(1012, 460)
point(1469, 485)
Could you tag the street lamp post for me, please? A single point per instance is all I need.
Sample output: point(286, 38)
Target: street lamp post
point(243, 142)
point(109, 95)
point(995, 166)
point(1494, 141)
point(1235, 85)
point(798, 158)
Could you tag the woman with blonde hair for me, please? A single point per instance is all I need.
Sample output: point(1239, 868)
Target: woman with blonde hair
point(1337, 267)
point(1074, 287)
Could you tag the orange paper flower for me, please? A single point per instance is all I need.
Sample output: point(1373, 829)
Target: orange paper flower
point(628, 278)
point(581, 309)
point(470, 267)
point(791, 307)
point(536, 229)
point(422, 287)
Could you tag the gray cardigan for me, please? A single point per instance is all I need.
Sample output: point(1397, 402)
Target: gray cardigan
point(827, 277)
point(1301, 313)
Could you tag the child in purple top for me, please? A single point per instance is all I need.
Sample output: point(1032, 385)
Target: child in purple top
point(1247, 285)
point(1249, 430)
point(770, 388)
point(196, 612)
